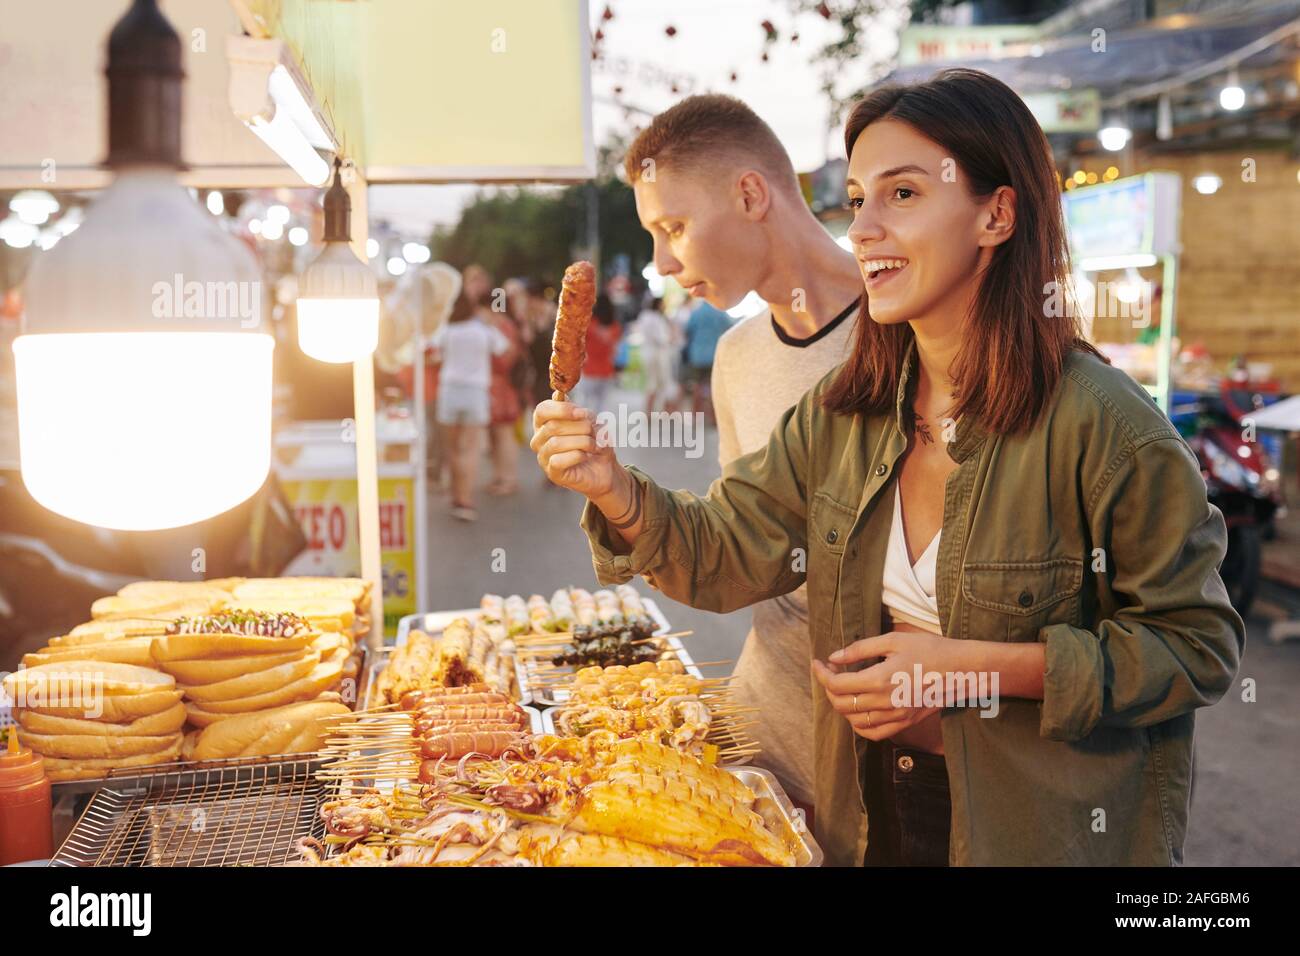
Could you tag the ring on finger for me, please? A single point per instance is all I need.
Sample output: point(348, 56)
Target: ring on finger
point(855, 703)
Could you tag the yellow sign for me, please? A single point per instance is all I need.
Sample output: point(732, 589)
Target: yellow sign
point(327, 512)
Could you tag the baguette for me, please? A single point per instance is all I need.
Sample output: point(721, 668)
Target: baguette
point(149, 725)
point(96, 747)
point(293, 729)
point(258, 682)
point(60, 769)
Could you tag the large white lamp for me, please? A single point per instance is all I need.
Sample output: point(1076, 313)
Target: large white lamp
point(338, 298)
point(144, 387)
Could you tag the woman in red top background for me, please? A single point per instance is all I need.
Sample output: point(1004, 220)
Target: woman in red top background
point(505, 407)
point(602, 342)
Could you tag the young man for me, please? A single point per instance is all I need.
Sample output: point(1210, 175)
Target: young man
point(718, 193)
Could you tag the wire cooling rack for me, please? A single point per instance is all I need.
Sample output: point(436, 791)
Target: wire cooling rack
point(232, 813)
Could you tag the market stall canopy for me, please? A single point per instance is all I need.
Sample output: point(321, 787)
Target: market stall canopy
point(1134, 57)
point(412, 91)
point(445, 92)
point(53, 97)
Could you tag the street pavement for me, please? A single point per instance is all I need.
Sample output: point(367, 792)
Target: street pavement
point(1247, 771)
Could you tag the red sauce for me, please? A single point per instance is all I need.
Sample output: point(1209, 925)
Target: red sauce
point(26, 827)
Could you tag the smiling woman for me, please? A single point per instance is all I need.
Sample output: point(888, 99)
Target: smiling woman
point(974, 499)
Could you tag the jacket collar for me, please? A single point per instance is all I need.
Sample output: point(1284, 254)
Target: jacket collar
point(970, 434)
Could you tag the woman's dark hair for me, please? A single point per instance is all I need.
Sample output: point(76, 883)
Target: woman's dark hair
point(1015, 345)
point(603, 310)
point(462, 309)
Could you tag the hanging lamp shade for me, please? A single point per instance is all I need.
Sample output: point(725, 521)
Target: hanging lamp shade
point(338, 298)
point(143, 380)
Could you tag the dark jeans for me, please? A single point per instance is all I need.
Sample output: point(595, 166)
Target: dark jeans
point(909, 811)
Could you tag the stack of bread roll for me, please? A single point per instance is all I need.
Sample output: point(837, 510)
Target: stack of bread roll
point(89, 717)
point(218, 652)
point(338, 606)
point(244, 666)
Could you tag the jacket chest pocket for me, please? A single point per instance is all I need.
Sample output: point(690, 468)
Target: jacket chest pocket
point(829, 524)
point(1011, 601)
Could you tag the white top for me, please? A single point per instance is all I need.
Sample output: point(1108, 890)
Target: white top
point(467, 348)
point(759, 372)
point(908, 591)
point(656, 331)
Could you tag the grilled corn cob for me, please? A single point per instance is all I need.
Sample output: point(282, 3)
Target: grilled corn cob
point(593, 849)
point(620, 810)
point(649, 756)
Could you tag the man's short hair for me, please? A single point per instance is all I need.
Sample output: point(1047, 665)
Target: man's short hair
point(710, 131)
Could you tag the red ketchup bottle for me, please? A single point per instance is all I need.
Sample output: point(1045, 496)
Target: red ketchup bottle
point(26, 822)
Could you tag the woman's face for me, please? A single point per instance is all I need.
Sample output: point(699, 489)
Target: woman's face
point(919, 236)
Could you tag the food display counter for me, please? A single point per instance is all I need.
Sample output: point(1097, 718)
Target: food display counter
point(234, 722)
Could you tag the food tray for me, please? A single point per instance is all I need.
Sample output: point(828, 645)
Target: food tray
point(536, 725)
point(773, 805)
point(548, 727)
point(378, 660)
point(247, 812)
point(550, 697)
point(780, 814)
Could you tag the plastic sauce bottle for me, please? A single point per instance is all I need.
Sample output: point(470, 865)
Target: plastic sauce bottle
point(26, 821)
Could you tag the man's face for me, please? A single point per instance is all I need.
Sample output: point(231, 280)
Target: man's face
point(702, 235)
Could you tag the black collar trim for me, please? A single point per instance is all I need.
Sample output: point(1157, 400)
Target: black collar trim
point(788, 339)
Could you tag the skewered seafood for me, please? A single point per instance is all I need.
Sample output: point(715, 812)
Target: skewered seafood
point(557, 801)
point(681, 722)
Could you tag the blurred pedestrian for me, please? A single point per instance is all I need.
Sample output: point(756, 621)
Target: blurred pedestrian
point(703, 329)
point(658, 344)
point(505, 406)
point(464, 348)
point(603, 334)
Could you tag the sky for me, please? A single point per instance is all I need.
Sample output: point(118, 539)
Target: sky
point(714, 37)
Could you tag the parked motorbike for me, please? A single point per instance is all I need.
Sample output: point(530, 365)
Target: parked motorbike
point(1242, 481)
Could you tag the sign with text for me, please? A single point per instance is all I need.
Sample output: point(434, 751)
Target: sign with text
point(326, 509)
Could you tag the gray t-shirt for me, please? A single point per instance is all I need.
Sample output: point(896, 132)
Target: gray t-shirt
point(758, 373)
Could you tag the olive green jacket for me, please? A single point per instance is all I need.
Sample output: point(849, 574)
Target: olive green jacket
point(1091, 534)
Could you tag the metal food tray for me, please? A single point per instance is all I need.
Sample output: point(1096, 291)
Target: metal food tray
point(536, 725)
point(376, 661)
point(773, 805)
point(780, 815)
point(242, 812)
point(550, 698)
point(548, 727)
